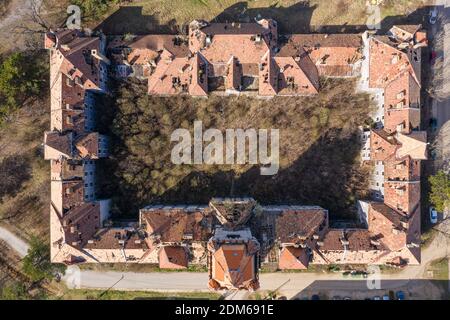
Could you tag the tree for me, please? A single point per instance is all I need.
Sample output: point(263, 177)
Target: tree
point(21, 77)
point(14, 171)
point(440, 190)
point(94, 9)
point(36, 263)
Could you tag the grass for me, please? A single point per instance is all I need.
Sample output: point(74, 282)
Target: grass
point(82, 294)
point(427, 237)
point(26, 211)
point(293, 16)
point(121, 267)
point(439, 268)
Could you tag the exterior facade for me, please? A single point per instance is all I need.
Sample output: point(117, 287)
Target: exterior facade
point(234, 237)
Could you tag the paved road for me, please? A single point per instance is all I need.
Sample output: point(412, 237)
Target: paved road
point(20, 246)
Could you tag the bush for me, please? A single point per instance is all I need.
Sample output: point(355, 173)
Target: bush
point(94, 9)
point(16, 291)
point(440, 190)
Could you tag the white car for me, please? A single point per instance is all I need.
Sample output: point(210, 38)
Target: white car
point(433, 215)
point(433, 16)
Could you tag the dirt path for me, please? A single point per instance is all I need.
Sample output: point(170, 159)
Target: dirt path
point(18, 10)
point(20, 13)
point(20, 246)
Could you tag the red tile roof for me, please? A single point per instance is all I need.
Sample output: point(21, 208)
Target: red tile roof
point(292, 258)
point(174, 225)
point(295, 226)
point(173, 257)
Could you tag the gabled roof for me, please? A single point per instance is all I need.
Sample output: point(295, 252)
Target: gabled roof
point(60, 142)
point(174, 225)
point(409, 28)
point(413, 144)
point(173, 257)
point(292, 258)
point(233, 212)
point(293, 226)
point(392, 215)
point(87, 145)
point(384, 51)
point(233, 267)
point(351, 240)
point(116, 238)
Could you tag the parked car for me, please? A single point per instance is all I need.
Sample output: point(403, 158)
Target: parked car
point(433, 15)
point(433, 215)
point(347, 298)
point(376, 298)
point(336, 298)
point(315, 297)
point(400, 295)
point(386, 297)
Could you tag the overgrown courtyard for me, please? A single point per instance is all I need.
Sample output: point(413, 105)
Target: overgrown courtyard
point(319, 149)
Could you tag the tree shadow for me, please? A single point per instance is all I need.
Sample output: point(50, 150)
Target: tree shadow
point(324, 175)
point(131, 20)
point(296, 18)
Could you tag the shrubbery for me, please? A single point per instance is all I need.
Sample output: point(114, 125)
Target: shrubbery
point(440, 190)
point(22, 77)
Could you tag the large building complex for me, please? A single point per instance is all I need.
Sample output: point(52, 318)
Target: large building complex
point(234, 237)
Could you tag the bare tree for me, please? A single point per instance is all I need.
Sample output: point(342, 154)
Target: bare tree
point(38, 20)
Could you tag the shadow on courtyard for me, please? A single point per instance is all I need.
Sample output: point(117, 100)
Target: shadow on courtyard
point(324, 175)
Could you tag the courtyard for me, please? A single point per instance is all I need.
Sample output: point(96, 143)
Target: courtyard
point(319, 149)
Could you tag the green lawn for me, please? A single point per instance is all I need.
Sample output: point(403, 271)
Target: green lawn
point(439, 268)
point(81, 294)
